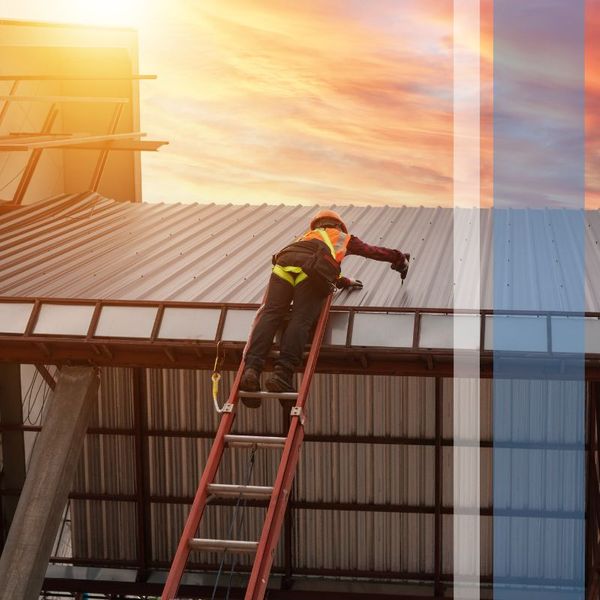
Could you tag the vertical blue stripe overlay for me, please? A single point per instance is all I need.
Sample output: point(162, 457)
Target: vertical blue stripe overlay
point(539, 401)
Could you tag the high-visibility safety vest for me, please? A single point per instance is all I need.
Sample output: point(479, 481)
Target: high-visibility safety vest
point(337, 242)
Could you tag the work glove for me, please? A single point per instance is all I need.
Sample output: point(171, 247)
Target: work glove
point(346, 283)
point(402, 266)
point(355, 284)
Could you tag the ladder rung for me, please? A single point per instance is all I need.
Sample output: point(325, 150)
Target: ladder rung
point(283, 395)
point(222, 545)
point(226, 490)
point(260, 441)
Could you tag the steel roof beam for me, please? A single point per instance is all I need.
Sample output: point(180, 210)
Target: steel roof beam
point(55, 584)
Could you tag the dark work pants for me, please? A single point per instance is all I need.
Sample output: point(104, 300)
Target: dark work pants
point(307, 302)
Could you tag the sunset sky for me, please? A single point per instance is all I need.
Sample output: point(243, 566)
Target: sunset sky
point(319, 101)
point(324, 102)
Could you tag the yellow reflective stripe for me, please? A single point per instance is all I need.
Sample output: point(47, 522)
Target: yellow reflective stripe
point(280, 272)
point(323, 233)
point(285, 274)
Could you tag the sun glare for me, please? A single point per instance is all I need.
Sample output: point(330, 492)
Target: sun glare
point(114, 13)
point(128, 13)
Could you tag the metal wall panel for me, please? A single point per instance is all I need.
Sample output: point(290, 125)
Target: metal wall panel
point(364, 541)
point(366, 473)
point(115, 399)
point(104, 530)
point(168, 520)
point(106, 466)
point(329, 471)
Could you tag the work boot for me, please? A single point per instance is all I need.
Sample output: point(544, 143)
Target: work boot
point(281, 381)
point(250, 382)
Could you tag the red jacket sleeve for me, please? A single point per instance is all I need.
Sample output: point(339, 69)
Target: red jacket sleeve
point(358, 247)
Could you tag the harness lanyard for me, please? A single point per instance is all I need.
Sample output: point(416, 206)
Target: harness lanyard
point(216, 376)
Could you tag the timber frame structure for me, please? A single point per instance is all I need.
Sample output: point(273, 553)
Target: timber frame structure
point(45, 139)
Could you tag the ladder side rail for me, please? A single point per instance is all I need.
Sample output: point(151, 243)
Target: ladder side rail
point(313, 355)
point(269, 538)
point(199, 504)
point(261, 568)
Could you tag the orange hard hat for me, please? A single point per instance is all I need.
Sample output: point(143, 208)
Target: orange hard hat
point(328, 215)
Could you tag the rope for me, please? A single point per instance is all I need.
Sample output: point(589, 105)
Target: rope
point(27, 399)
point(216, 377)
point(11, 180)
point(239, 525)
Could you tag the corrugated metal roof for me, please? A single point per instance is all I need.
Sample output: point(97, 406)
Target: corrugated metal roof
point(87, 246)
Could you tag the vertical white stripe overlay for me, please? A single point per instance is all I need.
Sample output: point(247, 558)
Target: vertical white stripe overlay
point(467, 279)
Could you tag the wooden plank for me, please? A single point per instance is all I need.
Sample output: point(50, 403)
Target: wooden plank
point(127, 146)
point(11, 93)
point(101, 162)
point(24, 134)
point(75, 139)
point(61, 99)
point(7, 141)
point(75, 77)
point(34, 159)
point(26, 138)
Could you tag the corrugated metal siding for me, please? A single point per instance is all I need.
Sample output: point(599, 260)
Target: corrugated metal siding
point(104, 530)
point(345, 540)
point(328, 471)
point(86, 246)
point(107, 465)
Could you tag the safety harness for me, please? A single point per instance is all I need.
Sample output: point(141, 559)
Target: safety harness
point(294, 275)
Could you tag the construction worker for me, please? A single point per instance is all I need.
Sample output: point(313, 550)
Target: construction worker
point(304, 273)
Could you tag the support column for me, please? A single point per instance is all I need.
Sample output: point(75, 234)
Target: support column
point(13, 446)
point(49, 478)
point(140, 416)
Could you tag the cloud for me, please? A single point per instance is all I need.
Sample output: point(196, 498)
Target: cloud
point(541, 89)
point(344, 101)
point(314, 101)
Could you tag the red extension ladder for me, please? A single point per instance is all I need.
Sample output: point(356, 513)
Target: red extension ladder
point(264, 549)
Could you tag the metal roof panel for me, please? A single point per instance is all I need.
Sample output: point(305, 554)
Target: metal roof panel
point(84, 246)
